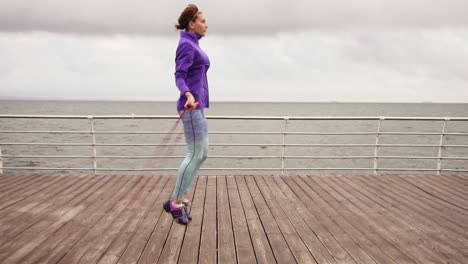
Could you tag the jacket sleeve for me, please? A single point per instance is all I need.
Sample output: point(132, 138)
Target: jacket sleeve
point(184, 60)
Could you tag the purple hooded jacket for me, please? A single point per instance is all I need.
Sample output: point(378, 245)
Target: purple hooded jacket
point(192, 63)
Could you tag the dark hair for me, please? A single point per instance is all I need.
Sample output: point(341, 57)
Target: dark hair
point(190, 13)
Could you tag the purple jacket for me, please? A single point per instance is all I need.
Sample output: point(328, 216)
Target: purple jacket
point(192, 63)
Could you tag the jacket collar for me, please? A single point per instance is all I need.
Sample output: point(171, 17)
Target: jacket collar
point(189, 35)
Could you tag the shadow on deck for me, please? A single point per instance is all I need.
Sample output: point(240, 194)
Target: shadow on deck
point(236, 219)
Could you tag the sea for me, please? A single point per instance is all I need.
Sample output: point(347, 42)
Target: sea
point(257, 159)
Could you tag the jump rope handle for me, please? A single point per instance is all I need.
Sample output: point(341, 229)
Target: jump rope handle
point(185, 110)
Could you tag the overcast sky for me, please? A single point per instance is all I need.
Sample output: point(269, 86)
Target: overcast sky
point(304, 50)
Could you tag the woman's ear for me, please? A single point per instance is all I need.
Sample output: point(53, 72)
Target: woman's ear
point(191, 24)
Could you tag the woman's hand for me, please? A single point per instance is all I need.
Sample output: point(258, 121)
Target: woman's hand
point(190, 104)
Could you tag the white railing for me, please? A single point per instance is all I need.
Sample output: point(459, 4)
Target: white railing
point(284, 132)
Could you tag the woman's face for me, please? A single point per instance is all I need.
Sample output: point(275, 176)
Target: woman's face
point(199, 26)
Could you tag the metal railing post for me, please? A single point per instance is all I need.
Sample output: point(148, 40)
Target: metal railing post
point(93, 135)
point(441, 145)
point(376, 150)
point(285, 130)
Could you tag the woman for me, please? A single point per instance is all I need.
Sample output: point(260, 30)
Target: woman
point(191, 67)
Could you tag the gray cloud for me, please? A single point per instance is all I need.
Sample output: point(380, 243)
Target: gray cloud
point(399, 66)
point(228, 17)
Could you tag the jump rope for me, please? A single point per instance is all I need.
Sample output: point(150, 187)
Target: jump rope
point(164, 147)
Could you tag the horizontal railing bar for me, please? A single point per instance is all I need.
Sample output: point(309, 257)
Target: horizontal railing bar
point(43, 132)
point(152, 169)
point(43, 168)
point(404, 169)
point(394, 118)
point(237, 133)
point(46, 144)
point(231, 169)
point(43, 156)
point(420, 157)
point(239, 157)
point(133, 157)
point(455, 170)
point(236, 145)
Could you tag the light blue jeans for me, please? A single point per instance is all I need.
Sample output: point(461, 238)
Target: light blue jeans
point(196, 136)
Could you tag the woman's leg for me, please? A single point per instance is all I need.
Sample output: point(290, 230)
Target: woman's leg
point(196, 136)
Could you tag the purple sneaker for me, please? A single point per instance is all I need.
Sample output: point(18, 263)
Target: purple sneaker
point(186, 208)
point(178, 214)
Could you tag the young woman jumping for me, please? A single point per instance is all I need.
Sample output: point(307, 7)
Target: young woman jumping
point(192, 63)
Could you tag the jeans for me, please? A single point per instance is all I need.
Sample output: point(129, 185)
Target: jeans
point(196, 136)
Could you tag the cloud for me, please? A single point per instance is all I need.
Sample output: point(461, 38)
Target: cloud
point(228, 17)
point(399, 66)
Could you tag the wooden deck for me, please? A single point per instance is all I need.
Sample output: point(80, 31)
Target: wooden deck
point(243, 219)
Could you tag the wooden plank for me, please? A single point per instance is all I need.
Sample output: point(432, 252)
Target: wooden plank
point(172, 247)
point(415, 222)
point(402, 233)
point(18, 220)
point(358, 242)
point(282, 251)
point(129, 207)
point(150, 229)
point(243, 243)
point(226, 248)
point(292, 209)
point(122, 241)
point(450, 227)
point(442, 213)
point(319, 221)
point(352, 221)
point(60, 205)
point(460, 179)
point(369, 221)
point(446, 196)
point(17, 187)
point(83, 225)
point(33, 205)
point(332, 221)
point(296, 244)
point(208, 236)
point(46, 228)
point(25, 190)
point(261, 245)
point(77, 222)
point(156, 241)
point(436, 196)
point(449, 184)
point(191, 242)
point(26, 223)
point(9, 181)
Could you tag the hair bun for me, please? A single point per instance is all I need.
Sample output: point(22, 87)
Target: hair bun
point(189, 14)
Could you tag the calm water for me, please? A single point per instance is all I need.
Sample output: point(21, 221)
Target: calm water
point(237, 109)
point(275, 109)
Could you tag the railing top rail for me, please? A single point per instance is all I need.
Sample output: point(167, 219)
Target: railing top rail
point(240, 117)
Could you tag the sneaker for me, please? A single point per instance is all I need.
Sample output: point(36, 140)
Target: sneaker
point(186, 208)
point(178, 214)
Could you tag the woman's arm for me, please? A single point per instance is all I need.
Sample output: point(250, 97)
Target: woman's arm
point(184, 60)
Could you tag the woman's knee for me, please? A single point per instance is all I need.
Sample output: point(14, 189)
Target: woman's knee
point(200, 157)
